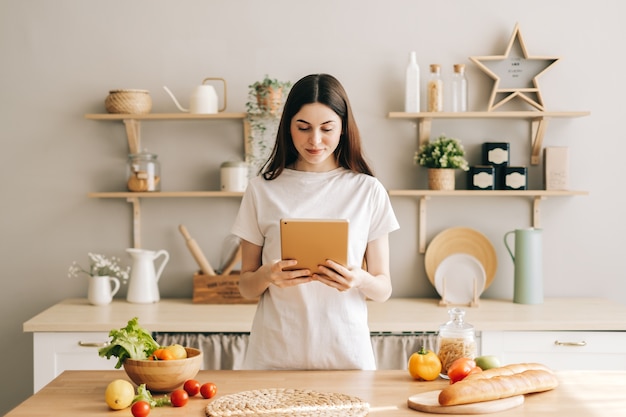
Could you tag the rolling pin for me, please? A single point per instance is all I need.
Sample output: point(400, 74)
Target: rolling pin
point(230, 264)
point(202, 261)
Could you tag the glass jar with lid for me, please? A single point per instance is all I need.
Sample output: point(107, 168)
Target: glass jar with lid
point(435, 89)
point(456, 339)
point(143, 172)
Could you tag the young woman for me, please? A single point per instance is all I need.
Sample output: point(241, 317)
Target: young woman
point(314, 319)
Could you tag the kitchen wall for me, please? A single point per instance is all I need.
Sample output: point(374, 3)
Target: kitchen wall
point(60, 59)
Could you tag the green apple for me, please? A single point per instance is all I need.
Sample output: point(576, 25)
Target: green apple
point(487, 362)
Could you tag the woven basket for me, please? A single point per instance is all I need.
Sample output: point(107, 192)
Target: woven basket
point(441, 179)
point(128, 101)
point(269, 100)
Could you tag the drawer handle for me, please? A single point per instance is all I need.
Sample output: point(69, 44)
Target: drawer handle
point(92, 344)
point(581, 343)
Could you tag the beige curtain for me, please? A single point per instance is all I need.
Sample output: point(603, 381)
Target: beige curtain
point(227, 350)
point(220, 350)
point(392, 350)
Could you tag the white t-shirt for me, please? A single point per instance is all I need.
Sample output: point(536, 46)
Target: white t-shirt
point(312, 326)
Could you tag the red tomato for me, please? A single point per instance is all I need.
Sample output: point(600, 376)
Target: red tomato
point(192, 387)
point(460, 368)
point(179, 398)
point(208, 390)
point(140, 409)
point(475, 370)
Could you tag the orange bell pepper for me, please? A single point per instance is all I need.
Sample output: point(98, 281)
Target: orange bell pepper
point(424, 365)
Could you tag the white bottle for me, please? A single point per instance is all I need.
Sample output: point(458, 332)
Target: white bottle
point(412, 87)
point(458, 88)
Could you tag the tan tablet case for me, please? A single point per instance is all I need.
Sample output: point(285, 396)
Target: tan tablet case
point(312, 241)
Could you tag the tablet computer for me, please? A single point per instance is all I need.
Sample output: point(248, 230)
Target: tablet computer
point(312, 241)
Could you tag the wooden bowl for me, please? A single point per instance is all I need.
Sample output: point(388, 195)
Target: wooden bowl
point(166, 375)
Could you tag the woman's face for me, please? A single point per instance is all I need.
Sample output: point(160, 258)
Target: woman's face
point(316, 131)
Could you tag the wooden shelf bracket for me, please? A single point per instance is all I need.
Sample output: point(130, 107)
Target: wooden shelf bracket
point(535, 220)
point(536, 216)
point(136, 221)
point(424, 126)
point(422, 224)
point(538, 131)
point(133, 133)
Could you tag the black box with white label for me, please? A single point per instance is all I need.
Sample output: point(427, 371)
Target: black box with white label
point(481, 177)
point(515, 178)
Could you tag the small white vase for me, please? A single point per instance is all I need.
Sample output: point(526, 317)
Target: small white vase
point(102, 289)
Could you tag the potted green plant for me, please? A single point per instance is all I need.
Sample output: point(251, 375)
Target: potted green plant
point(263, 108)
point(441, 156)
point(268, 94)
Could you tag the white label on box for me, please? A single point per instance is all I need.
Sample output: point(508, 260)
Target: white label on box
point(515, 180)
point(498, 156)
point(483, 180)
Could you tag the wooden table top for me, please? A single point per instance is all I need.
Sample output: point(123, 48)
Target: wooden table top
point(394, 315)
point(81, 393)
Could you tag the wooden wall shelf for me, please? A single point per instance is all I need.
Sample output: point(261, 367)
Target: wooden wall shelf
point(133, 122)
point(134, 199)
point(538, 119)
point(165, 194)
point(133, 133)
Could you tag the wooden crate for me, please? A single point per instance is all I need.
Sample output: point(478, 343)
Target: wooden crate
point(218, 289)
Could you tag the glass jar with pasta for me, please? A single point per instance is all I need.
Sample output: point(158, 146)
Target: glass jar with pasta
point(455, 340)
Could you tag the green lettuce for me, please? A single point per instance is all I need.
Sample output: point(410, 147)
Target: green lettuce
point(144, 395)
point(129, 342)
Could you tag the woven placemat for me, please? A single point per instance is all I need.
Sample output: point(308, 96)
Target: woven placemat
point(277, 402)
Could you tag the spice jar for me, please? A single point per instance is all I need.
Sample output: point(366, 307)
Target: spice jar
point(435, 89)
point(456, 339)
point(143, 172)
point(458, 88)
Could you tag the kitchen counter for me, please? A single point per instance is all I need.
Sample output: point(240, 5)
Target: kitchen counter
point(395, 315)
point(580, 393)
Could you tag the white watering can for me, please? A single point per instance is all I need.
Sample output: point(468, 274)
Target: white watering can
point(204, 98)
point(143, 286)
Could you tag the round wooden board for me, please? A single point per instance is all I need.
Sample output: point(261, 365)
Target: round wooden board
point(428, 402)
point(461, 240)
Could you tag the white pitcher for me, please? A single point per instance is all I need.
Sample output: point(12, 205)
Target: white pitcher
point(143, 286)
point(100, 292)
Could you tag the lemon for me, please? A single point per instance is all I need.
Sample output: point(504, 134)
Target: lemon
point(178, 351)
point(119, 394)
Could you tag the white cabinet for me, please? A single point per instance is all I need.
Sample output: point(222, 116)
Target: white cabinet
point(560, 350)
point(57, 352)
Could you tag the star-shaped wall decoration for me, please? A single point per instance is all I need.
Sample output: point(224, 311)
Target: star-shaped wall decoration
point(515, 73)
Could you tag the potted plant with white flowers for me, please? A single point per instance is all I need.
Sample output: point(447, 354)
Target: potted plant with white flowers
point(104, 277)
point(441, 156)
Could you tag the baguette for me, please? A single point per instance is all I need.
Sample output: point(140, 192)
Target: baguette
point(495, 387)
point(515, 368)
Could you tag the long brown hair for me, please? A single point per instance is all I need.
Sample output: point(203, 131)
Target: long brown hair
point(327, 90)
